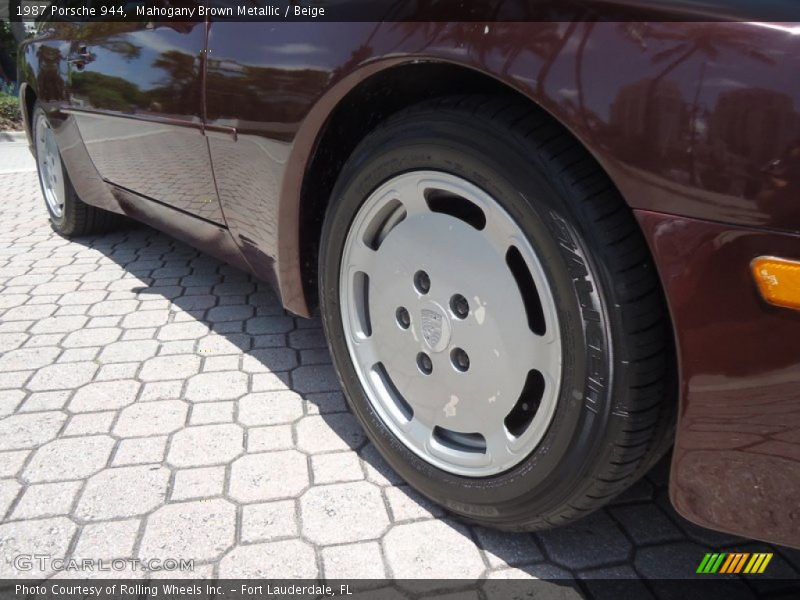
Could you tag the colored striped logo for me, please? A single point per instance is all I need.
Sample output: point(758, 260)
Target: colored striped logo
point(734, 562)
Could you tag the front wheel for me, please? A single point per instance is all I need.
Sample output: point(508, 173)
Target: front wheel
point(494, 315)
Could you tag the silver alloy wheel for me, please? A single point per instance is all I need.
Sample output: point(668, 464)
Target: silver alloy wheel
point(49, 162)
point(450, 323)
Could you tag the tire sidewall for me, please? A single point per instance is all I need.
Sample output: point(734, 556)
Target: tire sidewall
point(558, 465)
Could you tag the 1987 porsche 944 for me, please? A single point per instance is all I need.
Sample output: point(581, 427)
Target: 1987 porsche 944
point(543, 252)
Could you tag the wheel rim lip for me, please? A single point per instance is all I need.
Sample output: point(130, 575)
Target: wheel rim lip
point(537, 429)
point(50, 171)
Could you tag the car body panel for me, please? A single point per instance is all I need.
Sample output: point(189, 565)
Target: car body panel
point(138, 104)
point(211, 238)
point(661, 164)
point(736, 463)
point(694, 122)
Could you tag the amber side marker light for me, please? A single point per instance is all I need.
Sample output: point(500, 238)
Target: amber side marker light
point(778, 280)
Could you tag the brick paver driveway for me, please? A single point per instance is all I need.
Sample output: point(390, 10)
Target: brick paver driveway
point(157, 403)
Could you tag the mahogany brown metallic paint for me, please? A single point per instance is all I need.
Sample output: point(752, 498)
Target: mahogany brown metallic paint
point(696, 123)
point(736, 464)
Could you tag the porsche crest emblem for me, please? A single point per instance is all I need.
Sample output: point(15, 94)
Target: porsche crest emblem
point(431, 327)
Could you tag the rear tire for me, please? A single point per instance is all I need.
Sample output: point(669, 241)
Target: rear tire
point(614, 410)
point(69, 215)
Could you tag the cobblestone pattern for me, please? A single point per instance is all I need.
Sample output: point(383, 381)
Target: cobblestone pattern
point(157, 403)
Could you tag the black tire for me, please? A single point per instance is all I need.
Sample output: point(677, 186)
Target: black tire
point(615, 414)
point(77, 218)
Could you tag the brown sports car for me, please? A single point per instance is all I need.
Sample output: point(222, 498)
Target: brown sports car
point(544, 252)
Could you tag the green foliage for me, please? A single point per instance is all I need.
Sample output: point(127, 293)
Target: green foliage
point(10, 115)
point(8, 52)
point(106, 91)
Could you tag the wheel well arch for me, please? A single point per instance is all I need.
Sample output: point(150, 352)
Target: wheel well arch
point(28, 96)
point(377, 96)
point(364, 107)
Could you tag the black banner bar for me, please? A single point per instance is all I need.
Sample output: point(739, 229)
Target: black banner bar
point(705, 587)
point(399, 10)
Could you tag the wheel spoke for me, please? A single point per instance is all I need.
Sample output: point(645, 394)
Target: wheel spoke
point(411, 196)
point(498, 444)
point(361, 257)
point(543, 353)
point(416, 429)
point(365, 347)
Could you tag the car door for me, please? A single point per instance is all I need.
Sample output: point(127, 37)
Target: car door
point(261, 80)
point(135, 91)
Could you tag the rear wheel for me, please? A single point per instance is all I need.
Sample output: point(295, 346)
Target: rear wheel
point(494, 315)
point(69, 215)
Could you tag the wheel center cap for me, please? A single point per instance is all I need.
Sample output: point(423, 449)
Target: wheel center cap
point(435, 326)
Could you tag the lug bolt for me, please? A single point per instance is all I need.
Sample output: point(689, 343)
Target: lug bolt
point(403, 318)
point(422, 282)
point(424, 363)
point(460, 359)
point(459, 306)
